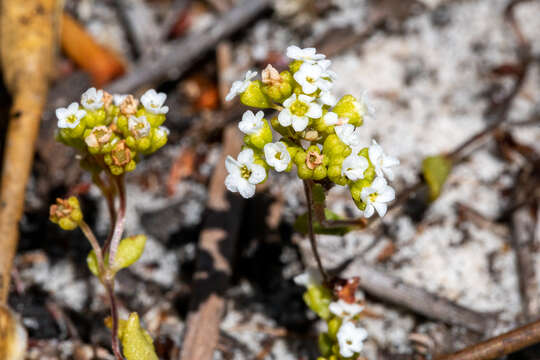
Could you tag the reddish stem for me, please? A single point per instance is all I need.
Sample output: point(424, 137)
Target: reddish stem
point(120, 219)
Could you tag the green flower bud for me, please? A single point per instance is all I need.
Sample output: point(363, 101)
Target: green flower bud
point(282, 130)
point(95, 118)
point(120, 159)
point(295, 65)
point(356, 190)
point(66, 213)
point(155, 120)
point(263, 137)
point(100, 140)
point(318, 298)
point(292, 148)
point(325, 344)
point(74, 133)
point(348, 107)
point(254, 96)
point(333, 327)
point(277, 87)
point(122, 124)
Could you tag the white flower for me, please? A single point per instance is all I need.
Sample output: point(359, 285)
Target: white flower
point(92, 99)
point(277, 156)
point(118, 99)
point(311, 277)
point(162, 131)
point(331, 118)
point(298, 110)
point(312, 77)
point(364, 107)
point(351, 339)
point(349, 134)
point(153, 102)
point(325, 65)
point(353, 167)
point(376, 196)
point(69, 117)
point(240, 86)
point(251, 123)
point(138, 126)
point(382, 162)
point(308, 55)
point(345, 310)
point(244, 174)
point(326, 98)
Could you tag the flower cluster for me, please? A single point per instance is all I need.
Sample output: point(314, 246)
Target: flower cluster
point(344, 338)
point(317, 132)
point(66, 213)
point(111, 131)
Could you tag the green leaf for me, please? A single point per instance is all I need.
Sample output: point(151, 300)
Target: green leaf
point(435, 170)
point(301, 225)
point(129, 251)
point(137, 344)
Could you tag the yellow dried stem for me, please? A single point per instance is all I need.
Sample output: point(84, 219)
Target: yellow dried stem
point(27, 45)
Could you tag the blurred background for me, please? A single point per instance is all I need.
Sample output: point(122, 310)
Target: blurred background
point(454, 77)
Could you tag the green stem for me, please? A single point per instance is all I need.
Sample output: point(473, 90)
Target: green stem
point(309, 198)
point(95, 244)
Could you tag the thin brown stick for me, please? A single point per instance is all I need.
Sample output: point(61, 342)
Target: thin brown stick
point(391, 289)
point(309, 199)
point(499, 346)
point(178, 56)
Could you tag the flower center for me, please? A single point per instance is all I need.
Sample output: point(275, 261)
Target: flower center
point(313, 159)
point(299, 108)
point(72, 119)
point(373, 197)
point(245, 172)
point(278, 155)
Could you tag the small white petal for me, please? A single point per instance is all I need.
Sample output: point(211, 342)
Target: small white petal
point(315, 111)
point(285, 117)
point(330, 118)
point(232, 166)
point(246, 189)
point(299, 123)
point(246, 156)
point(387, 195)
point(369, 211)
point(311, 277)
point(258, 174)
point(381, 208)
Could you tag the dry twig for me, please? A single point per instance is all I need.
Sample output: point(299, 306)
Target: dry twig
point(499, 346)
point(28, 38)
point(178, 56)
point(393, 290)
